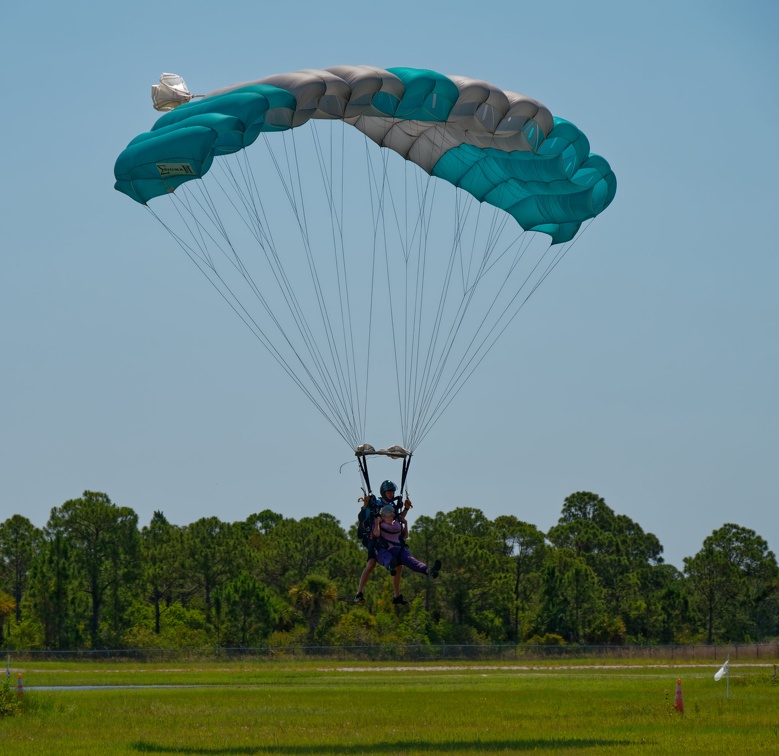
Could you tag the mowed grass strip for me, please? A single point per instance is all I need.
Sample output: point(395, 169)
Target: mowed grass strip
point(259, 672)
point(308, 710)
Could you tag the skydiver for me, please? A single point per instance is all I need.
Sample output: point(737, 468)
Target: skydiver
point(390, 531)
point(387, 492)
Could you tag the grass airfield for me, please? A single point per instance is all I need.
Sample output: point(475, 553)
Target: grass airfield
point(382, 708)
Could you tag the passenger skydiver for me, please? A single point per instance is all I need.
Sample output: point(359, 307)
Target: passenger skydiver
point(368, 515)
point(390, 531)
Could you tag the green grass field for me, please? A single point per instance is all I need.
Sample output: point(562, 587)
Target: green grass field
point(341, 708)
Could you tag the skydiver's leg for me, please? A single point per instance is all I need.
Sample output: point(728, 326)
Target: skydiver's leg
point(404, 557)
point(396, 581)
point(366, 573)
point(398, 599)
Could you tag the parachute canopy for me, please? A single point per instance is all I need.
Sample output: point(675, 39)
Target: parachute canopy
point(503, 148)
point(365, 271)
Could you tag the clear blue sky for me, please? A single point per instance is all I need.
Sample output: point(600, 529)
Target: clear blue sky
point(645, 369)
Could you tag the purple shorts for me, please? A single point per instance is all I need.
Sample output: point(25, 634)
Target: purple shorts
point(403, 556)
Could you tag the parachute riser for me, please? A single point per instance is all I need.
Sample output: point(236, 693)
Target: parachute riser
point(371, 507)
point(364, 472)
point(363, 463)
point(404, 474)
point(395, 452)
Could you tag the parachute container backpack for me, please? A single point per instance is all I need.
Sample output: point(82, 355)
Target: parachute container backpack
point(376, 230)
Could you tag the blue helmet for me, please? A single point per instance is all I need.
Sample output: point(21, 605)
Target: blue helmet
point(387, 485)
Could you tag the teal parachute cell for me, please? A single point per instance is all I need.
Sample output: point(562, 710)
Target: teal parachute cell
point(503, 148)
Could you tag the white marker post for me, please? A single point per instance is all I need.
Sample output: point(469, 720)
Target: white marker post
point(724, 671)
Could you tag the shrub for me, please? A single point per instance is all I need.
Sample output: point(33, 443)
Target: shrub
point(550, 639)
point(10, 703)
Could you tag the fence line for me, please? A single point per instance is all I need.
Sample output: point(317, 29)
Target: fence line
point(693, 653)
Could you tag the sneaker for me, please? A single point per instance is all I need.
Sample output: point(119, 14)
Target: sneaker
point(435, 569)
point(359, 598)
point(392, 565)
point(399, 600)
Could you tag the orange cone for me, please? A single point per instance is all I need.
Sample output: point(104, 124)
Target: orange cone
point(19, 686)
point(678, 702)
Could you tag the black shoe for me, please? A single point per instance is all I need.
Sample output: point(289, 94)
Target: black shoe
point(392, 565)
point(399, 600)
point(435, 569)
point(359, 598)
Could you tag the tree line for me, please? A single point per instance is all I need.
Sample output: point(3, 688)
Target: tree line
point(91, 578)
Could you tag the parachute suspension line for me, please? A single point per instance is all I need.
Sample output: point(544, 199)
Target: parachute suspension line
point(406, 363)
point(434, 356)
point(428, 387)
point(341, 271)
point(250, 201)
point(412, 349)
point(460, 217)
point(564, 250)
point(381, 188)
point(361, 408)
point(372, 288)
point(419, 357)
point(287, 291)
point(406, 360)
point(220, 286)
point(487, 264)
point(469, 353)
point(282, 281)
point(452, 392)
point(376, 191)
point(425, 383)
point(259, 331)
point(306, 331)
point(260, 229)
point(332, 376)
point(522, 241)
point(254, 209)
point(382, 193)
point(335, 356)
point(349, 364)
point(497, 225)
point(415, 388)
point(473, 351)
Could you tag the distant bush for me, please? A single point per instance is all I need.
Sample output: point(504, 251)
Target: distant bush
point(10, 703)
point(550, 639)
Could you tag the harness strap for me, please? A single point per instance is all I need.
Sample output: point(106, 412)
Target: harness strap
point(397, 505)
